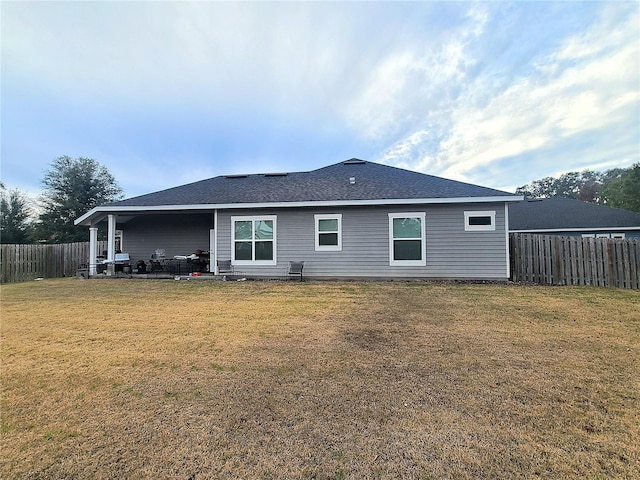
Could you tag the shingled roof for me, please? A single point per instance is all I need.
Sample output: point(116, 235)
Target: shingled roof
point(352, 182)
point(345, 181)
point(549, 214)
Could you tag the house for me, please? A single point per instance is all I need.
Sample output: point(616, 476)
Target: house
point(567, 216)
point(353, 219)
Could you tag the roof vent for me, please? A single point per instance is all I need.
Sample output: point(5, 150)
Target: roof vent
point(352, 180)
point(236, 176)
point(275, 174)
point(354, 161)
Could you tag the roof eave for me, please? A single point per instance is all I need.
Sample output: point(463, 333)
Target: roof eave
point(91, 215)
point(571, 229)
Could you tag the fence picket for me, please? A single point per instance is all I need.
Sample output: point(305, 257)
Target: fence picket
point(547, 264)
point(625, 261)
point(599, 259)
point(619, 264)
point(567, 261)
point(633, 264)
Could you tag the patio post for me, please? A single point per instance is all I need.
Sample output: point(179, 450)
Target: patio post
point(93, 245)
point(215, 244)
point(111, 243)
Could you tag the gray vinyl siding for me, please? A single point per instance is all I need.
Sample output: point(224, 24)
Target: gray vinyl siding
point(452, 253)
point(178, 234)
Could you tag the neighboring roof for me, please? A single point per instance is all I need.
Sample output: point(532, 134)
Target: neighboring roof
point(350, 182)
point(568, 214)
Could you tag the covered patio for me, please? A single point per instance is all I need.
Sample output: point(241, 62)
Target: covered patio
point(171, 244)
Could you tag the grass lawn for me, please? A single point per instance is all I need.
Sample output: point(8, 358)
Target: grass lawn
point(193, 380)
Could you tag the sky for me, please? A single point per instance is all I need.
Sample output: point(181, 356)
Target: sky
point(166, 93)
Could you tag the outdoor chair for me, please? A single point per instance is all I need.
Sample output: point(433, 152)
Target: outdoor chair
point(295, 268)
point(158, 259)
point(82, 271)
point(225, 267)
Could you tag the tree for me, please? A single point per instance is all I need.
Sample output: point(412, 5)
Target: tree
point(618, 187)
point(622, 188)
point(542, 188)
point(71, 188)
point(15, 216)
point(584, 186)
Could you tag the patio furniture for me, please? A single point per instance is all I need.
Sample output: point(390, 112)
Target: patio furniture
point(120, 263)
point(295, 268)
point(225, 267)
point(157, 260)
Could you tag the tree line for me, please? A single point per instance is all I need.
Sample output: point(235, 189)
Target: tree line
point(70, 188)
point(618, 187)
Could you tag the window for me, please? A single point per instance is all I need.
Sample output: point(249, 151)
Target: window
point(407, 243)
point(328, 233)
point(480, 221)
point(603, 235)
point(254, 240)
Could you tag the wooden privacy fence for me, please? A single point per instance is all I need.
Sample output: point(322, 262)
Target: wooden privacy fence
point(564, 260)
point(19, 263)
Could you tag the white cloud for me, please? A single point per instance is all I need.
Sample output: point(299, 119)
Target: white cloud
point(406, 84)
point(590, 83)
point(303, 59)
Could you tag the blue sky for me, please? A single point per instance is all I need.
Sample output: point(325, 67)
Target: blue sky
point(166, 93)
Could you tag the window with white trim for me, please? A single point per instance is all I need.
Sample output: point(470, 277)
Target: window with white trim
point(253, 240)
point(480, 221)
point(328, 232)
point(407, 239)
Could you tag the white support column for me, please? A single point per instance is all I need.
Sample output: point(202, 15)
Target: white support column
point(214, 259)
point(93, 246)
point(111, 243)
point(212, 249)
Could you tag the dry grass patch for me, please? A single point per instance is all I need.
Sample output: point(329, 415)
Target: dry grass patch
point(164, 379)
